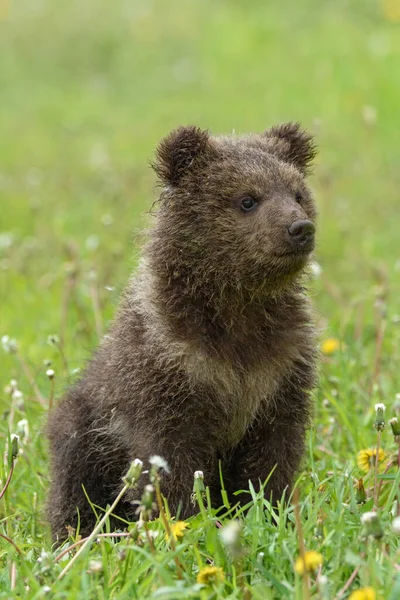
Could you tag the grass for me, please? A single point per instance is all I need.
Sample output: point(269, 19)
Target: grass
point(87, 90)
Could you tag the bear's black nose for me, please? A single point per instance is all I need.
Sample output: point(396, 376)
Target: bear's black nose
point(301, 233)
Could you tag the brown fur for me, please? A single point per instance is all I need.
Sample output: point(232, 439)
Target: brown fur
point(211, 355)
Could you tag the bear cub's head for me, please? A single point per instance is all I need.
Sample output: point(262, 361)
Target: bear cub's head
point(236, 209)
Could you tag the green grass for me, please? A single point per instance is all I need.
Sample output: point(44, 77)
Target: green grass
point(87, 89)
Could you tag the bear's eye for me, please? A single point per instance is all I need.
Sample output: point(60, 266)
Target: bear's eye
point(248, 204)
point(298, 197)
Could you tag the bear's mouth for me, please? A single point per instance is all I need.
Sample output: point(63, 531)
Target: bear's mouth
point(302, 251)
point(292, 261)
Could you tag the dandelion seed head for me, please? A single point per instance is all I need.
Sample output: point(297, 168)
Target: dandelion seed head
point(369, 517)
point(159, 463)
point(230, 533)
point(17, 395)
point(95, 566)
point(92, 243)
point(316, 269)
point(23, 429)
point(107, 220)
point(10, 345)
point(396, 526)
point(53, 339)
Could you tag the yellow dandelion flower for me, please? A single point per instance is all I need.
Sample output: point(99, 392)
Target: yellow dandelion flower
point(312, 560)
point(391, 9)
point(367, 593)
point(366, 458)
point(177, 529)
point(210, 575)
point(330, 345)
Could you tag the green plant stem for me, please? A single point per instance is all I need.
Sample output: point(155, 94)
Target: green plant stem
point(306, 580)
point(51, 397)
point(121, 534)
point(348, 583)
point(7, 483)
point(166, 526)
point(199, 498)
point(31, 379)
point(378, 354)
point(94, 532)
point(149, 539)
point(13, 576)
point(390, 464)
point(94, 295)
point(9, 540)
point(376, 490)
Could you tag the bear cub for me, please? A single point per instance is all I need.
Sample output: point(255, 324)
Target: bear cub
point(211, 357)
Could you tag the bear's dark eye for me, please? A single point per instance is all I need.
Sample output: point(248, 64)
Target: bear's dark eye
point(298, 197)
point(248, 204)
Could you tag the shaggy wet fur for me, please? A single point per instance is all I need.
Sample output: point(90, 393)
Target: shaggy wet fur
point(211, 355)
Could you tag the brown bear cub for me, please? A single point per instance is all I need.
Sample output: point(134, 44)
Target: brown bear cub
point(211, 356)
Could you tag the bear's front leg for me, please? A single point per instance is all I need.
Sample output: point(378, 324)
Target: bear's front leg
point(274, 442)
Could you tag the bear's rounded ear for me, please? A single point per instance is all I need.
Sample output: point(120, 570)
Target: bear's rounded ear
point(292, 144)
point(182, 149)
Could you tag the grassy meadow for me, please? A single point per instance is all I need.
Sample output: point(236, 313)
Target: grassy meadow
point(86, 91)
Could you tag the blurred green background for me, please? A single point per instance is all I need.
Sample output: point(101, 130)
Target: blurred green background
point(87, 89)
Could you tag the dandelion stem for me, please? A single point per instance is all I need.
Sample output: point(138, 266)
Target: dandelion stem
point(306, 581)
point(66, 299)
point(3, 491)
point(10, 541)
point(376, 489)
point(318, 582)
point(95, 531)
point(51, 397)
point(398, 457)
point(13, 576)
point(64, 309)
point(377, 361)
point(390, 464)
point(348, 583)
point(63, 357)
point(83, 540)
point(31, 379)
point(166, 526)
point(94, 294)
point(11, 414)
point(151, 543)
point(199, 497)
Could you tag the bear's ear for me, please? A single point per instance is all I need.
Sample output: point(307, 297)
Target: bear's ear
point(179, 151)
point(292, 144)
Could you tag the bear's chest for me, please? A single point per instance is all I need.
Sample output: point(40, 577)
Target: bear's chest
point(238, 393)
